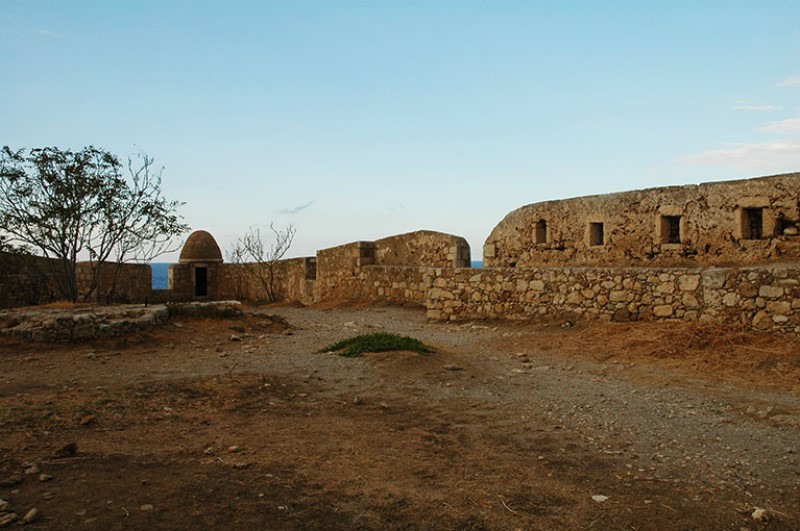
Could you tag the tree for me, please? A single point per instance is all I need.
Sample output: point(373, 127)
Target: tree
point(263, 256)
point(70, 204)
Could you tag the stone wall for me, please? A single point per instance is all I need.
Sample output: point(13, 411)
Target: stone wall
point(29, 280)
point(746, 222)
point(293, 280)
point(22, 282)
point(423, 248)
point(766, 298)
point(134, 282)
point(342, 270)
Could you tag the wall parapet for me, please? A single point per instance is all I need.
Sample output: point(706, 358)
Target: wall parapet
point(766, 297)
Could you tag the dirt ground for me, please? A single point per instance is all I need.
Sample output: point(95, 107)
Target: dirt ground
point(243, 424)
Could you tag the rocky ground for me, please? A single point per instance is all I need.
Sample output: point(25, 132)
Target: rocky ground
point(243, 423)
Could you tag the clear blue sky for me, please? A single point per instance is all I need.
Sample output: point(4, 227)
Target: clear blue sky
point(358, 120)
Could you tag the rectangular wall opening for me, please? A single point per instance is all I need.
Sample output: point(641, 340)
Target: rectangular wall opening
point(311, 269)
point(670, 229)
point(596, 234)
point(540, 232)
point(200, 282)
point(752, 223)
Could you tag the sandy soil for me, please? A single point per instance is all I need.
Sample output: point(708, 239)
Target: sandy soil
point(505, 426)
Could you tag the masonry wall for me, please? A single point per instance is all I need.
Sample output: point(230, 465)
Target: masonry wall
point(134, 283)
point(746, 222)
point(22, 283)
point(293, 280)
point(182, 281)
point(766, 298)
point(28, 280)
point(424, 247)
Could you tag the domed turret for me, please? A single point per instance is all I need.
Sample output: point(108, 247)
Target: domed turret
point(200, 247)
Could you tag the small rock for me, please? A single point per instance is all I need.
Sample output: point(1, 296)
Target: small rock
point(45, 477)
point(209, 451)
point(357, 401)
point(287, 333)
point(599, 498)
point(241, 466)
point(146, 507)
point(760, 515)
point(234, 337)
point(68, 450)
point(31, 470)
point(4, 506)
point(88, 419)
point(384, 405)
point(453, 368)
point(8, 519)
point(350, 323)
point(30, 516)
point(48, 495)
point(233, 449)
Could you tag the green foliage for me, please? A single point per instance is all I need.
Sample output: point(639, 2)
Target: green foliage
point(68, 204)
point(377, 342)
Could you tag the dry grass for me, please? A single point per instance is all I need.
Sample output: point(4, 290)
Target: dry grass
point(725, 351)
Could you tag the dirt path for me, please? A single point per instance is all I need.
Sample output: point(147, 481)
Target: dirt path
point(504, 427)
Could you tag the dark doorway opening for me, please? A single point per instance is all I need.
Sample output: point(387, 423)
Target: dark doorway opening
point(200, 281)
point(752, 223)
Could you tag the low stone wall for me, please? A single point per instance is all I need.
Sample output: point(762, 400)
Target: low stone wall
point(59, 325)
point(766, 298)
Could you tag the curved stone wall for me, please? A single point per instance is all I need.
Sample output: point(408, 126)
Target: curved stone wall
point(746, 222)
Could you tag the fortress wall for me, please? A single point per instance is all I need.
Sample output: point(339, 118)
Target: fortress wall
point(22, 283)
point(292, 280)
point(423, 248)
point(396, 284)
point(27, 280)
point(134, 284)
point(339, 268)
point(745, 222)
point(766, 298)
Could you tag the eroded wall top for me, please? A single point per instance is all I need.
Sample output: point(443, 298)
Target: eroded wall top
point(741, 222)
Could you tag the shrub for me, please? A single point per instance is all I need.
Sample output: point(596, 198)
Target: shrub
point(378, 342)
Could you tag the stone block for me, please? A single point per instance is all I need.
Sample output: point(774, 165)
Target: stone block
point(770, 292)
point(762, 320)
point(618, 296)
point(663, 310)
point(730, 299)
point(536, 285)
point(688, 282)
point(779, 307)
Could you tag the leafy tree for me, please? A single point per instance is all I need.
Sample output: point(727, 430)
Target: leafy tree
point(262, 255)
point(68, 204)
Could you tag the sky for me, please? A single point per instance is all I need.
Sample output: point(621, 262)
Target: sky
point(357, 120)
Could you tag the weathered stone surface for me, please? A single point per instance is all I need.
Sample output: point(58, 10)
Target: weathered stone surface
point(710, 222)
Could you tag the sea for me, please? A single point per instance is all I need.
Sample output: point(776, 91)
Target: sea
point(161, 273)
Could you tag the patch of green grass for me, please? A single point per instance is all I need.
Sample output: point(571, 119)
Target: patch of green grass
point(377, 342)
